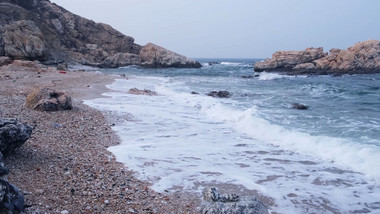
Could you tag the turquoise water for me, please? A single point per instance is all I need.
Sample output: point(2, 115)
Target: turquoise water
point(255, 138)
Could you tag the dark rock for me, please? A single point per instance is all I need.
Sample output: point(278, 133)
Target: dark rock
point(154, 56)
point(363, 57)
point(219, 94)
point(11, 198)
point(4, 60)
point(213, 63)
point(247, 77)
point(194, 93)
point(13, 134)
point(299, 106)
point(230, 204)
point(142, 92)
point(47, 99)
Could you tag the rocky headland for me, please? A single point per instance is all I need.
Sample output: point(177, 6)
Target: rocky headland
point(41, 30)
point(363, 57)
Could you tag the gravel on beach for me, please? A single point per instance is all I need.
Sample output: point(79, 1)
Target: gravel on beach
point(65, 166)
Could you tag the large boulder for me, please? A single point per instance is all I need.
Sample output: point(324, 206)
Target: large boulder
point(47, 99)
point(13, 134)
point(154, 56)
point(220, 94)
point(217, 203)
point(363, 57)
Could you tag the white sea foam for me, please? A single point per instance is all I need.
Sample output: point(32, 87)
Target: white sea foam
point(179, 139)
point(272, 76)
point(231, 63)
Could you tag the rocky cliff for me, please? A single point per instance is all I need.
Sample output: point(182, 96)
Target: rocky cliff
point(41, 30)
point(363, 57)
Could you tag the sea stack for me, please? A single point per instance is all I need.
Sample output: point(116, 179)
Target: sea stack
point(363, 57)
point(41, 30)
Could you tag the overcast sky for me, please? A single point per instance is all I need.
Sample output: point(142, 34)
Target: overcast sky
point(236, 28)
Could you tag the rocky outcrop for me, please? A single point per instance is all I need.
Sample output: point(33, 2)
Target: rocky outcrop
point(363, 57)
point(217, 203)
point(13, 134)
point(47, 99)
point(154, 56)
point(4, 60)
point(41, 30)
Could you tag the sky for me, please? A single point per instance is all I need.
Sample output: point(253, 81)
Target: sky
point(236, 28)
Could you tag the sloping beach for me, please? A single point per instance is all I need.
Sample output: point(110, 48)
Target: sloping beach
point(65, 165)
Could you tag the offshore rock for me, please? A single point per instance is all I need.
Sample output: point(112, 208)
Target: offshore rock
point(363, 57)
point(47, 99)
point(154, 56)
point(220, 94)
point(217, 203)
point(41, 30)
point(13, 134)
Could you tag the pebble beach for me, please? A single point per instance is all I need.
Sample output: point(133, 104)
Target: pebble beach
point(65, 166)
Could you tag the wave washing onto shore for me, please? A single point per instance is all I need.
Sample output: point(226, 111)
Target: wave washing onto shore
point(321, 160)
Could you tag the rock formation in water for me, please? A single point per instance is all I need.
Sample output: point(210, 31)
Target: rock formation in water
point(216, 203)
point(363, 57)
point(41, 30)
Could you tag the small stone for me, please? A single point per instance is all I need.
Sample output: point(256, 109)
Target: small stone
point(106, 202)
point(39, 191)
point(65, 212)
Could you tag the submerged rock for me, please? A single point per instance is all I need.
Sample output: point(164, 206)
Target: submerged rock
point(47, 99)
point(142, 92)
point(13, 134)
point(299, 106)
point(363, 57)
point(217, 203)
point(220, 94)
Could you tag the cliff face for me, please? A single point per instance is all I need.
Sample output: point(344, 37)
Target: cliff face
point(41, 30)
point(363, 57)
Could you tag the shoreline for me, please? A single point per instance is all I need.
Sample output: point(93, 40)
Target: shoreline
point(65, 165)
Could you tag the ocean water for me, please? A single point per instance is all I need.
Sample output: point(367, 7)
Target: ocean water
point(325, 159)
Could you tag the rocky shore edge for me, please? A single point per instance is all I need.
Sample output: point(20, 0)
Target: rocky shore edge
point(361, 58)
point(65, 167)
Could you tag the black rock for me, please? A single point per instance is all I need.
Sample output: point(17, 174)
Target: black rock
point(219, 94)
point(194, 93)
point(299, 106)
point(13, 134)
point(12, 198)
point(247, 77)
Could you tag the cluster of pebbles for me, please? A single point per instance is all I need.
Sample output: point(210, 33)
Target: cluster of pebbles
point(65, 166)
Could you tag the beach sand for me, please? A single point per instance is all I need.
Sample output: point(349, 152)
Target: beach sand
point(65, 165)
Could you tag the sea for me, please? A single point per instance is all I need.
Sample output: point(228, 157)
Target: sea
point(325, 159)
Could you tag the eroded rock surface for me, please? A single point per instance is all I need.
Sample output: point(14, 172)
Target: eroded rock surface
point(41, 30)
point(363, 57)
